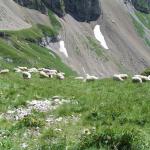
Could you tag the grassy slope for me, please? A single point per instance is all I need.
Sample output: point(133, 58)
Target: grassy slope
point(118, 110)
point(21, 49)
point(145, 19)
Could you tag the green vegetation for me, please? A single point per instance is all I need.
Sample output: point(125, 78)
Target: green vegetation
point(54, 22)
point(21, 48)
point(115, 114)
point(145, 19)
point(143, 5)
point(146, 72)
point(138, 28)
point(95, 46)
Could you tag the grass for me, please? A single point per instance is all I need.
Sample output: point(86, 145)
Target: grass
point(54, 22)
point(145, 19)
point(20, 48)
point(138, 28)
point(95, 46)
point(119, 112)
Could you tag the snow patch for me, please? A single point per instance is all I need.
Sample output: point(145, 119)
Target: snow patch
point(99, 36)
point(63, 48)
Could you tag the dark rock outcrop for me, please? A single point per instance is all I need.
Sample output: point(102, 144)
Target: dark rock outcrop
point(33, 4)
point(82, 10)
point(142, 5)
point(56, 6)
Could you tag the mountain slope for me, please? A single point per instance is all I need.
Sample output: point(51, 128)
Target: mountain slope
point(78, 45)
point(14, 17)
point(127, 51)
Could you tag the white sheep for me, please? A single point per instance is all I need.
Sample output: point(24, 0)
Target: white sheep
point(26, 75)
point(23, 68)
point(4, 71)
point(43, 74)
point(53, 72)
point(117, 77)
point(60, 76)
point(144, 78)
point(149, 78)
point(17, 70)
point(91, 78)
point(33, 70)
point(123, 76)
point(41, 69)
point(136, 79)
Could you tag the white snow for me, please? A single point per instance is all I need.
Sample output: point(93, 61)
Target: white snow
point(99, 36)
point(63, 48)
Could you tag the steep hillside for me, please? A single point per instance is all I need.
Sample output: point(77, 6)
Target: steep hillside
point(127, 50)
point(142, 5)
point(14, 17)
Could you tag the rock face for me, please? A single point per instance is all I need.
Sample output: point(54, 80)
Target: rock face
point(56, 6)
point(33, 4)
point(142, 5)
point(81, 10)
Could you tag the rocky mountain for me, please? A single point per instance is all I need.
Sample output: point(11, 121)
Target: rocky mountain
point(82, 10)
point(97, 37)
point(142, 5)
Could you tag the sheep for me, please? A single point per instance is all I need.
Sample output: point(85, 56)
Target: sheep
point(117, 77)
point(123, 76)
point(91, 78)
point(23, 68)
point(4, 71)
point(51, 73)
point(43, 74)
point(144, 78)
point(17, 70)
point(60, 76)
point(26, 75)
point(41, 69)
point(136, 79)
point(32, 70)
point(149, 78)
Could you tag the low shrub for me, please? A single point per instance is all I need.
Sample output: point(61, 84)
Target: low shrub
point(146, 72)
point(30, 121)
point(112, 140)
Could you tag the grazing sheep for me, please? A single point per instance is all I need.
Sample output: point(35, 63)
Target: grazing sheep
point(41, 69)
point(43, 74)
point(53, 72)
point(136, 79)
point(117, 77)
point(60, 76)
point(91, 78)
point(144, 78)
point(32, 70)
point(123, 76)
point(149, 78)
point(26, 75)
point(4, 71)
point(17, 70)
point(23, 68)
